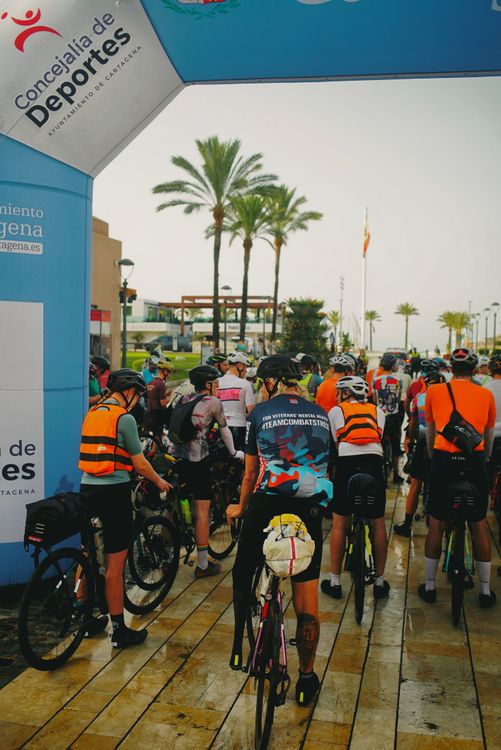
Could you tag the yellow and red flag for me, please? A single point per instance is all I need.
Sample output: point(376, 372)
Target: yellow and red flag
point(367, 234)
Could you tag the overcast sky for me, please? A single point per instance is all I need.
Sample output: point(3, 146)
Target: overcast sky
point(424, 156)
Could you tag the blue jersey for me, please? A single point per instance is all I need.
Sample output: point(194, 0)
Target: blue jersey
point(292, 439)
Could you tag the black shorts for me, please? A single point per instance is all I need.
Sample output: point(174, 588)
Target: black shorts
point(447, 468)
point(196, 478)
point(238, 437)
point(259, 513)
point(393, 430)
point(420, 464)
point(346, 467)
point(113, 504)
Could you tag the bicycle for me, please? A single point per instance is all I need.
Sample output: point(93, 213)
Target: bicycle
point(362, 491)
point(459, 546)
point(387, 457)
point(58, 602)
point(226, 477)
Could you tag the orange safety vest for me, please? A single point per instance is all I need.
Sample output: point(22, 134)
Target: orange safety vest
point(360, 424)
point(99, 452)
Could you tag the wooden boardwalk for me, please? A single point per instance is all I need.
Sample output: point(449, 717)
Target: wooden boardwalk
point(405, 679)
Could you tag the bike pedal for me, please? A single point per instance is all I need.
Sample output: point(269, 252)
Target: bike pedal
point(292, 641)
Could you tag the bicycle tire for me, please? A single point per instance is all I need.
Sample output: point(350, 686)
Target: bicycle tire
point(253, 616)
point(49, 594)
point(268, 677)
point(458, 574)
point(358, 570)
point(152, 564)
point(222, 537)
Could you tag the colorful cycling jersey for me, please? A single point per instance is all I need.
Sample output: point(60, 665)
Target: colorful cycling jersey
point(292, 439)
point(417, 408)
point(386, 389)
point(237, 396)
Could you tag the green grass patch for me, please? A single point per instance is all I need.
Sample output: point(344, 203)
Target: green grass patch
point(182, 361)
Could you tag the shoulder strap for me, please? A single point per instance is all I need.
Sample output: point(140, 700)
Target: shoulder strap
point(451, 394)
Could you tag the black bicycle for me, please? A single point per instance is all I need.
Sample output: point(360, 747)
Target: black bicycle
point(362, 491)
point(58, 602)
point(226, 477)
point(459, 564)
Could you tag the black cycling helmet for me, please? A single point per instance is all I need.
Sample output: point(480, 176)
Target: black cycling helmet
point(203, 374)
point(495, 364)
point(280, 367)
point(432, 377)
point(100, 362)
point(121, 380)
point(388, 361)
point(215, 359)
point(308, 361)
point(464, 356)
point(428, 365)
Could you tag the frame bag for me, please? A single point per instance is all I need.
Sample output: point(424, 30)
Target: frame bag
point(459, 431)
point(54, 519)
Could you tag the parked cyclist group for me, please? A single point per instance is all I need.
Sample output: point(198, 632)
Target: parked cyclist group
point(303, 437)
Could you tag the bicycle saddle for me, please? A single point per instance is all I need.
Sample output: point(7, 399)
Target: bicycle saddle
point(362, 486)
point(462, 491)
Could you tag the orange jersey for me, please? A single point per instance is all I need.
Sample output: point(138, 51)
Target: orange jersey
point(474, 403)
point(371, 375)
point(327, 393)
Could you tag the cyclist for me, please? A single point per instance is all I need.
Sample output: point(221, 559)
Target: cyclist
point(287, 450)
point(194, 469)
point(102, 366)
point(405, 383)
point(386, 394)
point(237, 396)
point(150, 370)
point(219, 361)
point(362, 362)
point(443, 368)
point(94, 389)
point(494, 386)
point(477, 406)
point(310, 380)
point(482, 374)
point(341, 365)
point(110, 450)
point(158, 396)
point(416, 433)
point(357, 427)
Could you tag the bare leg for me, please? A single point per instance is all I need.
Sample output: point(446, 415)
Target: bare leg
point(340, 525)
point(202, 522)
point(113, 582)
point(305, 599)
point(380, 544)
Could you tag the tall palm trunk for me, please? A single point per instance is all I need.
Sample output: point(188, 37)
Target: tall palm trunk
point(370, 334)
point(278, 247)
point(406, 331)
point(450, 340)
point(218, 214)
point(245, 284)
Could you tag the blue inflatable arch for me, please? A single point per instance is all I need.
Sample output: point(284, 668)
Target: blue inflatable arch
point(79, 80)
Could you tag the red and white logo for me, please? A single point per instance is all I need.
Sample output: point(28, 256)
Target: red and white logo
point(30, 25)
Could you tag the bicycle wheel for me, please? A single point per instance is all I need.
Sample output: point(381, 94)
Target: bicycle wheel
point(267, 675)
point(51, 618)
point(387, 461)
point(358, 570)
point(255, 606)
point(222, 537)
point(458, 574)
point(151, 566)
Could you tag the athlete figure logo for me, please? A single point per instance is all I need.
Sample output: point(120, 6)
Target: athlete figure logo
point(30, 21)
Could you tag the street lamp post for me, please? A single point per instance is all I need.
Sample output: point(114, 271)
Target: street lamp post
point(476, 317)
point(123, 264)
point(225, 288)
point(494, 306)
point(486, 311)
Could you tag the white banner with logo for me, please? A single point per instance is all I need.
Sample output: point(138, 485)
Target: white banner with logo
point(80, 78)
point(21, 410)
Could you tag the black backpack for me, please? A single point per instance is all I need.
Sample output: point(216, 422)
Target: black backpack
point(54, 519)
point(181, 428)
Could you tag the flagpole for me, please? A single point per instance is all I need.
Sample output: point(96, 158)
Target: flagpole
point(364, 280)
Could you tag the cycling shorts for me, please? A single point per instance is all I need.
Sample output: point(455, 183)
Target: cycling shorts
point(195, 477)
point(420, 464)
point(238, 437)
point(447, 468)
point(112, 503)
point(346, 467)
point(260, 511)
point(393, 429)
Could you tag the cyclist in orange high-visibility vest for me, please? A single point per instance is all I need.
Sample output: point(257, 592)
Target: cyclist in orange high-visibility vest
point(357, 427)
point(109, 451)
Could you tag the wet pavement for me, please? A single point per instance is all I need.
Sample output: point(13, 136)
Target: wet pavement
point(405, 679)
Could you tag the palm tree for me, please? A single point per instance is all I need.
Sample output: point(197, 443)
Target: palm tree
point(462, 320)
point(248, 219)
point(224, 173)
point(372, 316)
point(447, 319)
point(407, 310)
point(286, 217)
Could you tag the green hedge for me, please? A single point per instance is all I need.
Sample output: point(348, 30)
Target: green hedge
point(182, 361)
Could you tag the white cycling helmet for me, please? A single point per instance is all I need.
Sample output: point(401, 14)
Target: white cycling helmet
point(238, 358)
point(483, 361)
point(299, 357)
point(288, 548)
point(355, 385)
point(251, 372)
point(343, 360)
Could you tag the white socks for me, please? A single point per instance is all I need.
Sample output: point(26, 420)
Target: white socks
point(335, 580)
point(379, 580)
point(430, 568)
point(484, 575)
point(202, 558)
